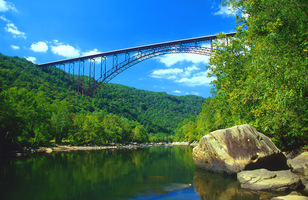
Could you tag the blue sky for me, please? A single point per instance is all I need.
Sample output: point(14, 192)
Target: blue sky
point(44, 31)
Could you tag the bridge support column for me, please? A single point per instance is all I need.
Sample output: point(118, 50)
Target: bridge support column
point(115, 60)
point(91, 71)
point(103, 66)
point(80, 76)
point(71, 69)
point(63, 72)
point(83, 78)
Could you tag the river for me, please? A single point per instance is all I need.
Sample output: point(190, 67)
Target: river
point(147, 173)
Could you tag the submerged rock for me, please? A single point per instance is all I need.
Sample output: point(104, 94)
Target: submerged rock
point(236, 149)
point(175, 187)
point(262, 179)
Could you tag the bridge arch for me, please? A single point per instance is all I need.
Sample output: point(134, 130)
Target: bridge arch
point(129, 57)
point(146, 55)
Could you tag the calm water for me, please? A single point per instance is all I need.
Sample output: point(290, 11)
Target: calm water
point(149, 173)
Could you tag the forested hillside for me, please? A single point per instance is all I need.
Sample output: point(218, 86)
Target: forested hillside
point(37, 107)
point(262, 74)
point(159, 112)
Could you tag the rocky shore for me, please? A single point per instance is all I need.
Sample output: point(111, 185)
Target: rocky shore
point(259, 165)
point(67, 148)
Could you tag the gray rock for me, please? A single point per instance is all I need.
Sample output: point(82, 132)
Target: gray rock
point(236, 149)
point(262, 179)
point(305, 184)
point(291, 196)
point(299, 164)
point(48, 150)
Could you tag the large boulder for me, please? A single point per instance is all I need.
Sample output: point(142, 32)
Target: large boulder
point(236, 149)
point(262, 179)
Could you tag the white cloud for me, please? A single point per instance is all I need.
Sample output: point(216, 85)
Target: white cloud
point(61, 49)
point(4, 19)
point(11, 28)
point(67, 51)
point(39, 47)
point(32, 59)
point(189, 70)
point(196, 93)
point(188, 76)
point(177, 91)
point(172, 59)
point(197, 79)
point(226, 11)
point(56, 42)
point(245, 15)
point(92, 52)
point(192, 68)
point(6, 6)
point(166, 73)
point(15, 47)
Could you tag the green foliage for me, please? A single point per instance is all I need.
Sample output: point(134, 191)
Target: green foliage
point(158, 112)
point(262, 73)
point(38, 106)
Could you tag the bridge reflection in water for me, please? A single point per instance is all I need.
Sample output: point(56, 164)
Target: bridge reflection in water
point(103, 67)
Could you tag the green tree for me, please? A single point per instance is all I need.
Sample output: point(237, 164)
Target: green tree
point(10, 124)
point(139, 134)
point(262, 72)
point(61, 119)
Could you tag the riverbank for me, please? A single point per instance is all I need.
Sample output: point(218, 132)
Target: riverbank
point(259, 165)
point(68, 148)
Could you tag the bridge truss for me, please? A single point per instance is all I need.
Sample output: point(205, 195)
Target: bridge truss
point(103, 67)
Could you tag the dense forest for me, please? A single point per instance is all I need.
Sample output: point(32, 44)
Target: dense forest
point(261, 79)
point(262, 74)
point(38, 108)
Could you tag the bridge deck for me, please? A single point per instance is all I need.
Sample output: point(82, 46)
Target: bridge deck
point(127, 50)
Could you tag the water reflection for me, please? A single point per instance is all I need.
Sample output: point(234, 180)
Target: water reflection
point(215, 186)
point(110, 174)
point(149, 173)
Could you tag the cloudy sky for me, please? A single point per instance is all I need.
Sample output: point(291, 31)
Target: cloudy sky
point(44, 31)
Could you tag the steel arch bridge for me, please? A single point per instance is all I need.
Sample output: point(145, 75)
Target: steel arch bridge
point(103, 67)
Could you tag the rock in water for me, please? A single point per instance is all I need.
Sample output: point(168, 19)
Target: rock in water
point(262, 179)
point(236, 149)
point(291, 196)
point(299, 164)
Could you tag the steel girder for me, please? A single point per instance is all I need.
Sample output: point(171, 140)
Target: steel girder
point(120, 60)
point(140, 56)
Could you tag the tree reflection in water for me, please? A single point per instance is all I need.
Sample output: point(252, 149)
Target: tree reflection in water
point(149, 173)
point(215, 186)
point(108, 174)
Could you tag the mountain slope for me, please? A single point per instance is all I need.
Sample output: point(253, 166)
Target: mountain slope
point(38, 105)
point(150, 108)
